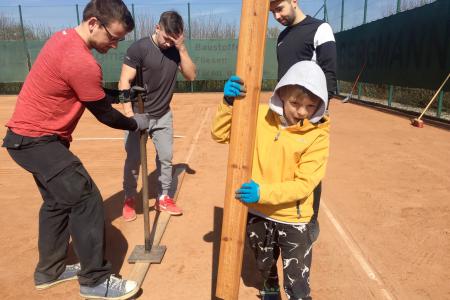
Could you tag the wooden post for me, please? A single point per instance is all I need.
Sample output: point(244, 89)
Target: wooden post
point(250, 60)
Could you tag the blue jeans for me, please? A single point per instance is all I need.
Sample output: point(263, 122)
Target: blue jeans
point(161, 132)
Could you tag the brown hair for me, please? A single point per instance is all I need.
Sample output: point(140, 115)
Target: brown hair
point(109, 11)
point(171, 22)
point(292, 90)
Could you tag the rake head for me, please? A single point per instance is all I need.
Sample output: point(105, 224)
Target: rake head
point(417, 123)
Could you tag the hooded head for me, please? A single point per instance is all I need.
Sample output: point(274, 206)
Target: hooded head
point(301, 93)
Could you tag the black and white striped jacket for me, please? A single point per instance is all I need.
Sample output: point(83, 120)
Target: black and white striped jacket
point(311, 39)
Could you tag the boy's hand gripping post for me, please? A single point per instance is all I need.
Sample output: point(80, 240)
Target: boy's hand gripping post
point(147, 252)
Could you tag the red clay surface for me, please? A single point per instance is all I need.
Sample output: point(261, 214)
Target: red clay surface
point(385, 226)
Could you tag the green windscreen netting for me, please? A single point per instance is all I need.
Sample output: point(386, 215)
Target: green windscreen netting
point(13, 61)
point(409, 49)
point(215, 59)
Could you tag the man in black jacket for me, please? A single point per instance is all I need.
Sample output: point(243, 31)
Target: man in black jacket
point(304, 38)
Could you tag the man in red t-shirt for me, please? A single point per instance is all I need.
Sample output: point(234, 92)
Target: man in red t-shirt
point(64, 80)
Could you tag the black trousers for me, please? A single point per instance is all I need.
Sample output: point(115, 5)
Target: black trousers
point(72, 207)
point(268, 238)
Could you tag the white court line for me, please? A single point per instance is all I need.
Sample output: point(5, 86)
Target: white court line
point(197, 135)
point(356, 252)
point(191, 150)
point(114, 138)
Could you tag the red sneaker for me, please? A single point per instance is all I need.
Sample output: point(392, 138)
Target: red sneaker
point(165, 203)
point(128, 212)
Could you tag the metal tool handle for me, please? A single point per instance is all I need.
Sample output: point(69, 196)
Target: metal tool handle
point(143, 137)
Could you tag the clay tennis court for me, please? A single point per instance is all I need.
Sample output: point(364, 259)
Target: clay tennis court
point(385, 226)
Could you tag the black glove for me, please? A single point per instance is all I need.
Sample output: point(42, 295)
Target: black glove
point(122, 96)
point(142, 121)
point(131, 94)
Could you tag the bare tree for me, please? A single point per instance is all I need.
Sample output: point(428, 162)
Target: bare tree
point(212, 27)
point(11, 29)
point(145, 25)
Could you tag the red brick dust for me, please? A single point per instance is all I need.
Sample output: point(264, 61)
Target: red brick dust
point(386, 188)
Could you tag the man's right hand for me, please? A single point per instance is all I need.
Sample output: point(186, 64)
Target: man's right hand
point(142, 121)
point(234, 87)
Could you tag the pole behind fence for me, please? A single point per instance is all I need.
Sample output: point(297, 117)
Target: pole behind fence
point(24, 39)
point(439, 104)
point(189, 20)
point(391, 87)
point(360, 85)
point(365, 12)
point(78, 14)
point(391, 95)
point(134, 18)
point(190, 37)
point(399, 4)
point(342, 15)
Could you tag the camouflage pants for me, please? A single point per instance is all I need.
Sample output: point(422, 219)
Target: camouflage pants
point(268, 239)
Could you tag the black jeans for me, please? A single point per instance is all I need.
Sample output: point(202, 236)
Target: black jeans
point(72, 207)
point(268, 238)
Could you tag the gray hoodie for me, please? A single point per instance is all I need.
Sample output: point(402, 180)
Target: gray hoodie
point(306, 74)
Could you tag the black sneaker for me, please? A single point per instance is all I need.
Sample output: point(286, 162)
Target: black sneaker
point(70, 273)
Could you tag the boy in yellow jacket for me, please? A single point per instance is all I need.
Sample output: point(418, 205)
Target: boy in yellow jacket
point(289, 160)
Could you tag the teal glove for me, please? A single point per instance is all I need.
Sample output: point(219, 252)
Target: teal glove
point(249, 192)
point(233, 88)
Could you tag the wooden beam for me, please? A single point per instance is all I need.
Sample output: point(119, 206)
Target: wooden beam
point(250, 61)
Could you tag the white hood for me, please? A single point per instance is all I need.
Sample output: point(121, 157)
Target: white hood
point(308, 75)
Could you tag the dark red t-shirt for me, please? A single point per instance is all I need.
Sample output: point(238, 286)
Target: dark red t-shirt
point(64, 75)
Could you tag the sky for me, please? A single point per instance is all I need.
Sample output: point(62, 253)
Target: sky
point(62, 13)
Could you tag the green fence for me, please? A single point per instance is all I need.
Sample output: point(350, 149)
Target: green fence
point(211, 37)
point(410, 49)
point(215, 59)
point(404, 58)
point(406, 52)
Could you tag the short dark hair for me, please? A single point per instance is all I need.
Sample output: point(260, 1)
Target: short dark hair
point(109, 11)
point(171, 22)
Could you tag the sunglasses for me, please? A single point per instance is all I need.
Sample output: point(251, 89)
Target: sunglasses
point(111, 37)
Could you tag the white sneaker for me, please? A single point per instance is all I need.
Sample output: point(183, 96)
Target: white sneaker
point(111, 288)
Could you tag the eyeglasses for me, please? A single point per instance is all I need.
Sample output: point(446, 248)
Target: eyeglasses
point(111, 37)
